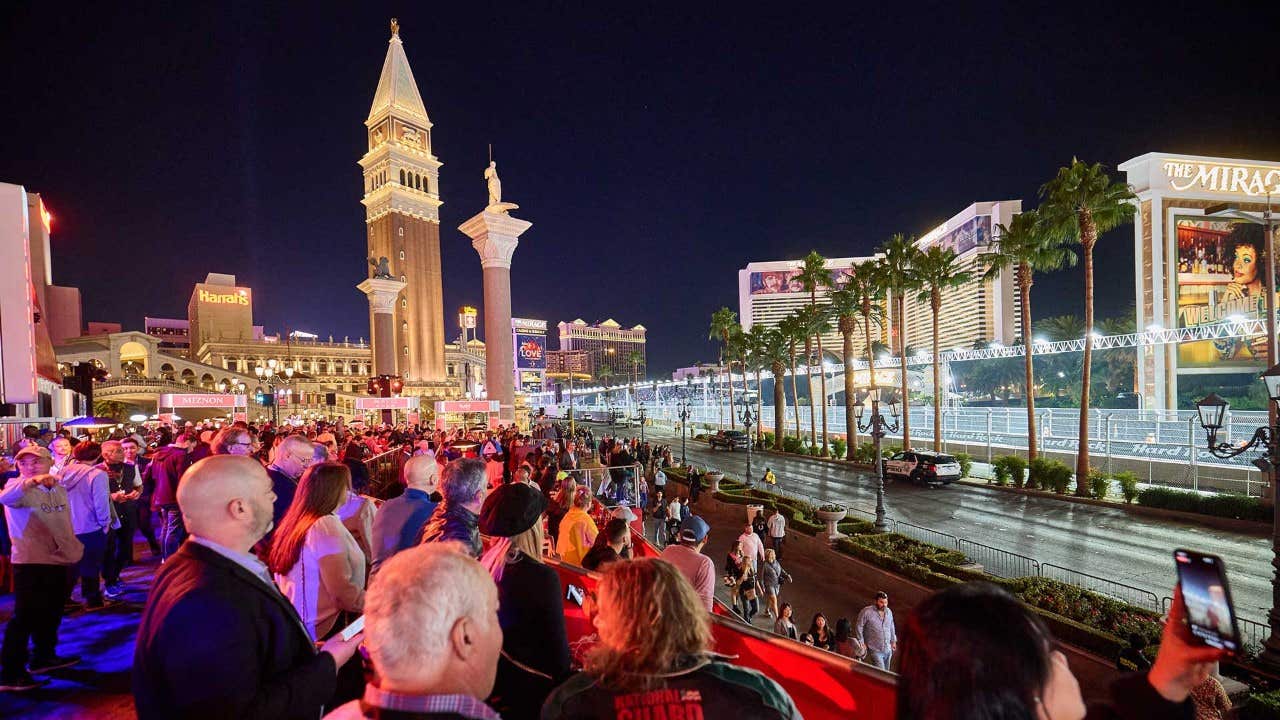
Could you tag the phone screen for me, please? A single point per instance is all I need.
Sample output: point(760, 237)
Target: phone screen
point(574, 594)
point(353, 629)
point(1210, 611)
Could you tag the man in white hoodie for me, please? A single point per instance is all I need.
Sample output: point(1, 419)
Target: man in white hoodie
point(44, 546)
point(89, 496)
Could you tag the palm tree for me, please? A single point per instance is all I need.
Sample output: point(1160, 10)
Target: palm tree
point(754, 341)
point(814, 323)
point(724, 323)
point(1026, 246)
point(846, 307)
point(938, 271)
point(636, 358)
point(1081, 203)
point(898, 267)
point(792, 329)
point(774, 353)
point(866, 283)
point(814, 275)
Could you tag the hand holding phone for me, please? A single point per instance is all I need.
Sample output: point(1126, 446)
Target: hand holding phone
point(353, 629)
point(1210, 613)
point(575, 595)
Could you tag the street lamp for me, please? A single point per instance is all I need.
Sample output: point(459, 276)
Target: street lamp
point(643, 417)
point(748, 419)
point(879, 427)
point(271, 375)
point(682, 405)
point(1212, 411)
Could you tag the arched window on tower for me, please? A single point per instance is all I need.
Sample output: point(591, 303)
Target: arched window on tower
point(401, 176)
point(401, 254)
point(417, 182)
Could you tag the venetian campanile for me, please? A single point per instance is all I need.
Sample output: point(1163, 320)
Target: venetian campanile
point(402, 215)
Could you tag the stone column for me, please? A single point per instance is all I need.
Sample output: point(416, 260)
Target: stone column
point(495, 235)
point(382, 294)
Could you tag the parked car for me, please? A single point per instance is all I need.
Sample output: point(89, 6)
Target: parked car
point(729, 440)
point(920, 466)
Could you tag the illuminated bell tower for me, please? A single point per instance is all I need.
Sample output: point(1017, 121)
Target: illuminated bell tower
point(402, 206)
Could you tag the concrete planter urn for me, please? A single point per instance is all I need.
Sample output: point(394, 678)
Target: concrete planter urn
point(831, 514)
point(713, 478)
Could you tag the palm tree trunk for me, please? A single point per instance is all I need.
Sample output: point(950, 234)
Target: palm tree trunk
point(1024, 287)
point(779, 409)
point(850, 422)
point(936, 305)
point(1088, 235)
point(902, 353)
point(822, 370)
point(871, 359)
point(795, 393)
point(733, 425)
point(808, 374)
point(760, 408)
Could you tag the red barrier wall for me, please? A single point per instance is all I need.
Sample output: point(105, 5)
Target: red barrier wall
point(824, 686)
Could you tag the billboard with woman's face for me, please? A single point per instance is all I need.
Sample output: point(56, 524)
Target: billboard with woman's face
point(776, 282)
point(1220, 277)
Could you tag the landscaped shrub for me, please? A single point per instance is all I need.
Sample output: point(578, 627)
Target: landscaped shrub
point(1009, 469)
point(866, 453)
point(966, 463)
point(1128, 485)
point(838, 447)
point(1090, 609)
point(792, 444)
point(1039, 474)
point(856, 527)
point(814, 451)
point(700, 436)
point(1261, 706)
point(1059, 477)
point(768, 439)
point(1099, 483)
point(1230, 506)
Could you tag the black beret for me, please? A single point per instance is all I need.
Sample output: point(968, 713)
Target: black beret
point(511, 509)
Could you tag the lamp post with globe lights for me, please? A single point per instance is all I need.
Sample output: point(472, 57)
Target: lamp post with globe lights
point(748, 419)
point(879, 427)
point(274, 373)
point(1212, 410)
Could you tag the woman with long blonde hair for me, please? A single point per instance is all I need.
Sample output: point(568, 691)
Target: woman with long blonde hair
point(655, 650)
point(316, 561)
point(535, 646)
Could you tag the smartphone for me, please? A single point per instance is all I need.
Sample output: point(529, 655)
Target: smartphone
point(1210, 612)
point(353, 629)
point(575, 595)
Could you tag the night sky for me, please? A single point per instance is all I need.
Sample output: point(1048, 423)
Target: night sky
point(656, 150)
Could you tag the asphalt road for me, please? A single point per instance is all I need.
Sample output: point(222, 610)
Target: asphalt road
point(1112, 544)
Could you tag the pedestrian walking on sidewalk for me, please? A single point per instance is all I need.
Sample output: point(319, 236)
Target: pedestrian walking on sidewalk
point(771, 578)
point(874, 628)
point(777, 525)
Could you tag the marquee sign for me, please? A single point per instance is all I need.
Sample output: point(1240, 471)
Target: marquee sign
point(466, 406)
point(381, 403)
point(239, 297)
point(202, 400)
point(1220, 177)
point(527, 325)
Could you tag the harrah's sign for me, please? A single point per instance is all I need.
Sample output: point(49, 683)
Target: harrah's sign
point(239, 297)
point(1252, 180)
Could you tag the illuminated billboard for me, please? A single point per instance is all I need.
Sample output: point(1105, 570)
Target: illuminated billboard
point(530, 351)
point(1219, 279)
point(975, 232)
point(784, 282)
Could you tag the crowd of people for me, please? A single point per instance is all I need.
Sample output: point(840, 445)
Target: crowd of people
point(295, 583)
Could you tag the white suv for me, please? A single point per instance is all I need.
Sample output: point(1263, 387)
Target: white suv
point(925, 467)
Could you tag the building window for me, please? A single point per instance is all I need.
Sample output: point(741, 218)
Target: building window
point(404, 302)
point(402, 177)
point(401, 254)
point(403, 279)
point(406, 349)
point(400, 232)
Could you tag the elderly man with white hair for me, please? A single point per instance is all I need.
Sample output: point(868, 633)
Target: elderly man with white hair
point(432, 632)
point(399, 521)
point(217, 639)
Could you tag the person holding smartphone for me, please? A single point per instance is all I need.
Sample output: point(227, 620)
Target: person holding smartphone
point(1013, 663)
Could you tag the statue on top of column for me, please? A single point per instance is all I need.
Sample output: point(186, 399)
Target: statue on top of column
point(381, 269)
point(495, 191)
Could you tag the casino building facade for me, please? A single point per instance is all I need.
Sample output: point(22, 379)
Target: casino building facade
point(1198, 245)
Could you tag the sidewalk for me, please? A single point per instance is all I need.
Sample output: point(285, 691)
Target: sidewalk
point(98, 686)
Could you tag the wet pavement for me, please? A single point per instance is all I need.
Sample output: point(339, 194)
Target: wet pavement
point(1111, 544)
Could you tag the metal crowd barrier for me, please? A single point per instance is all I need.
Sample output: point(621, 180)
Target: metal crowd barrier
point(1102, 586)
point(384, 473)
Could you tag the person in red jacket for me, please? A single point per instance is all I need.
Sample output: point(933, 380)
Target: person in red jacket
point(165, 470)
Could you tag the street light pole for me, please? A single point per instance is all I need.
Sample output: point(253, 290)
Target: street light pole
point(879, 427)
point(683, 414)
point(1212, 410)
point(642, 419)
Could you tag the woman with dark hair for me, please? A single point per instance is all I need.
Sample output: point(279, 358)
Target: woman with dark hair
point(975, 651)
point(846, 642)
point(655, 642)
point(783, 625)
point(316, 561)
point(353, 456)
point(820, 631)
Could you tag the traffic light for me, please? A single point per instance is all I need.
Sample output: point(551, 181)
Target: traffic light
point(266, 399)
point(396, 384)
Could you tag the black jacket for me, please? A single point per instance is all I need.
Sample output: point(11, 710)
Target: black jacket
point(453, 523)
point(531, 612)
point(217, 642)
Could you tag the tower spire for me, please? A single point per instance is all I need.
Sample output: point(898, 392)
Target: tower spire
point(397, 90)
